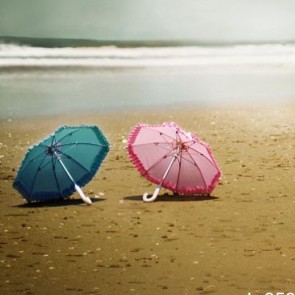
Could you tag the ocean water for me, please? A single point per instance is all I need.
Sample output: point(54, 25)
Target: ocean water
point(48, 81)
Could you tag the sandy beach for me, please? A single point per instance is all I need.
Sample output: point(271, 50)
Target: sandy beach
point(239, 240)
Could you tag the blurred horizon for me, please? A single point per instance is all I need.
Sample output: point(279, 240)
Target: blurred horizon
point(199, 21)
point(80, 42)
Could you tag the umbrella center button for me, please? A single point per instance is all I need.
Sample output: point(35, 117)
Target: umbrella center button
point(52, 150)
point(179, 146)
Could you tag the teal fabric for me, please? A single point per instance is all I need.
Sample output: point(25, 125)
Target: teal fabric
point(41, 176)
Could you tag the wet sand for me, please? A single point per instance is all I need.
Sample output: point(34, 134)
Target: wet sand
point(238, 241)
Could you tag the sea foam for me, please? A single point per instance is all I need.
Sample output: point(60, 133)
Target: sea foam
point(110, 56)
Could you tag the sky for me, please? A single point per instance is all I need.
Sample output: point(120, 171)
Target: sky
point(198, 20)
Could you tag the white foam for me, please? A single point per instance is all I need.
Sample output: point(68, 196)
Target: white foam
point(253, 55)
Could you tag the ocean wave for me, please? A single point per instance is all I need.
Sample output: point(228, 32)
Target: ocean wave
point(111, 56)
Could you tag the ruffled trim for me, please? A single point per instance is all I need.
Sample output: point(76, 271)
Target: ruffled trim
point(45, 196)
point(196, 190)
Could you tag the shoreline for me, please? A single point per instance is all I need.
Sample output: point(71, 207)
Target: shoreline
point(162, 111)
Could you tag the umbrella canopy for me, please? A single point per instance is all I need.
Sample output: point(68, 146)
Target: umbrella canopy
point(61, 163)
point(174, 159)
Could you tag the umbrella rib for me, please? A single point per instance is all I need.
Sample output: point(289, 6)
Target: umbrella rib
point(52, 139)
point(140, 144)
point(31, 161)
point(178, 136)
point(167, 149)
point(69, 134)
point(178, 176)
point(190, 142)
point(156, 163)
point(52, 142)
point(84, 143)
point(35, 176)
point(55, 176)
point(194, 162)
point(203, 156)
point(46, 164)
point(75, 161)
point(168, 142)
point(161, 133)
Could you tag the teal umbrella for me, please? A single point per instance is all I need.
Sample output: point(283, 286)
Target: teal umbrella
point(61, 163)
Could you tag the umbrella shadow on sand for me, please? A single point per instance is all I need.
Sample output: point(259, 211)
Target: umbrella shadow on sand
point(175, 198)
point(56, 203)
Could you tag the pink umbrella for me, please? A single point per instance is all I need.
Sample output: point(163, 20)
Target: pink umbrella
point(174, 159)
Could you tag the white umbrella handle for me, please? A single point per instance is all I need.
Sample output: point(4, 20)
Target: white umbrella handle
point(77, 187)
point(83, 197)
point(153, 197)
point(157, 190)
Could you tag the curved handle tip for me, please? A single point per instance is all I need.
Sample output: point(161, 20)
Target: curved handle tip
point(148, 199)
point(86, 199)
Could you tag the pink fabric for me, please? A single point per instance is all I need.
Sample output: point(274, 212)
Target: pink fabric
point(153, 147)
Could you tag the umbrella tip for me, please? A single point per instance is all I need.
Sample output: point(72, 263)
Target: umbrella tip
point(86, 199)
point(152, 198)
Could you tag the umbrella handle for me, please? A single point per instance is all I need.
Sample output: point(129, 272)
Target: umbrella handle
point(157, 190)
point(153, 197)
point(83, 197)
point(77, 187)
